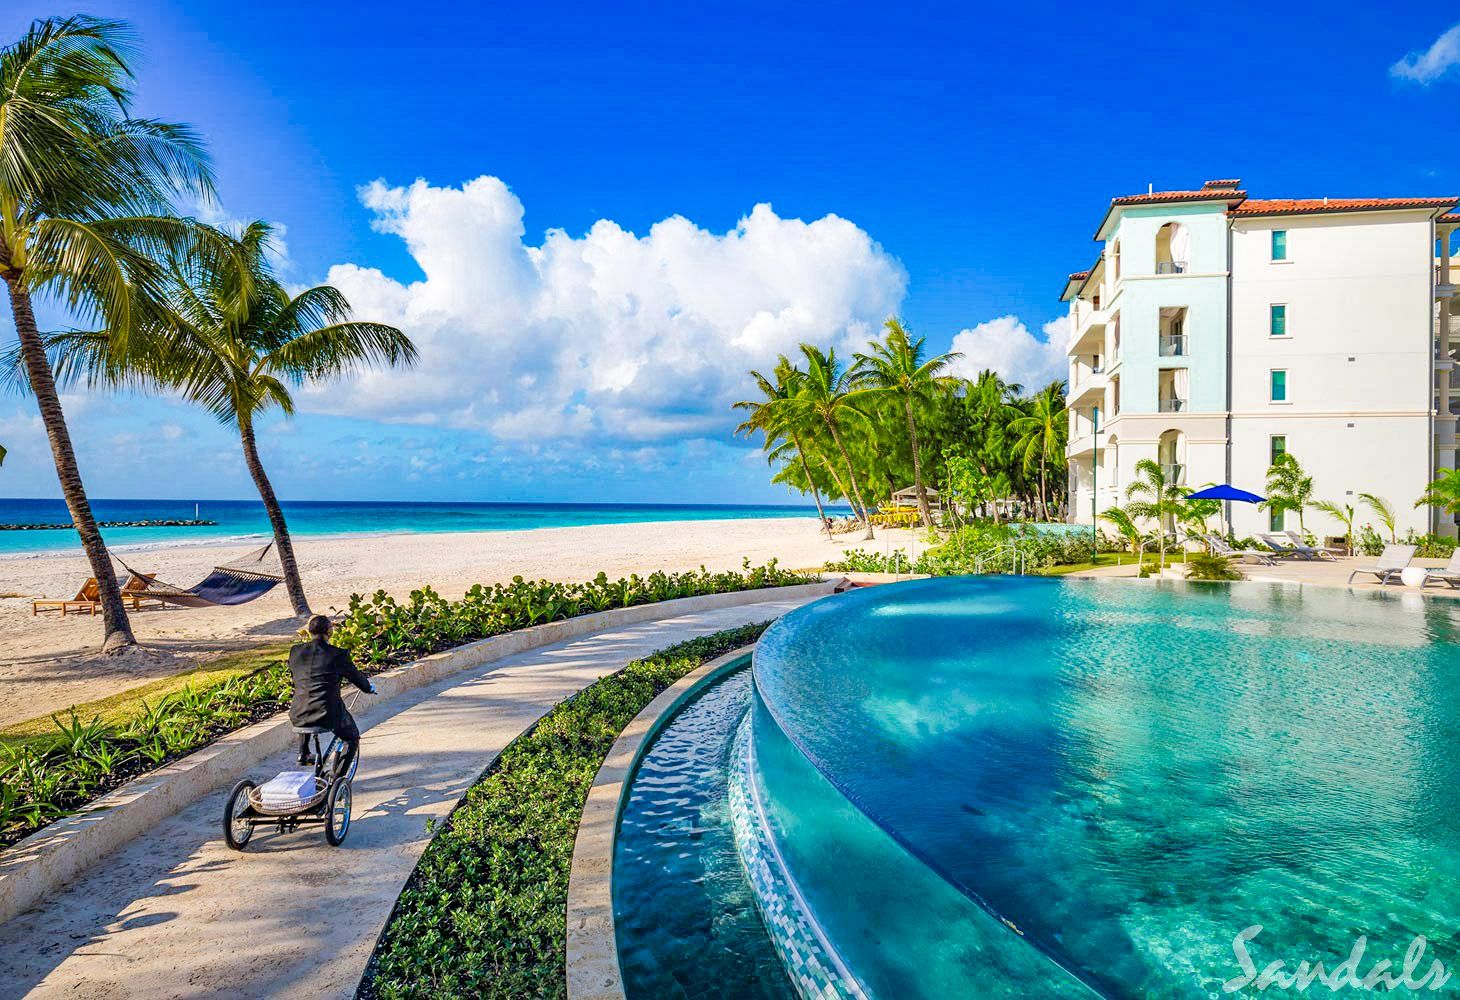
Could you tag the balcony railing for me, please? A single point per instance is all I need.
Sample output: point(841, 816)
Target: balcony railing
point(1173, 345)
point(1170, 267)
point(1174, 472)
point(1174, 405)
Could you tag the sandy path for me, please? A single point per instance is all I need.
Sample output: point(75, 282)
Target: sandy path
point(177, 914)
point(48, 663)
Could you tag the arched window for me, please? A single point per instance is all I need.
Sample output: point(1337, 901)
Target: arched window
point(1115, 261)
point(1112, 461)
point(1171, 455)
point(1173, 249)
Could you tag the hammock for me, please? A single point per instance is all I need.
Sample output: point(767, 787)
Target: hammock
point(238, 582)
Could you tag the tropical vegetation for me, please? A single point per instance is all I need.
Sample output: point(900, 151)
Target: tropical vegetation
point(483, 913)
point(87, 196)
point(859, 433)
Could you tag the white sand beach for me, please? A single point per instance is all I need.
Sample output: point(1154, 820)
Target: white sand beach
point(48, 662)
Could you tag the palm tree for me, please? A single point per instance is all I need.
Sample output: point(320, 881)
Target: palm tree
point(85, 198)
point(234, 341)
point(896, 369)
point(777, 421)
point(1443, 493)
point(1384, 511)
point(825, 394)
point(1288, 487)
point(1344, 515)
point(1125, 525)
point(1043, 433)
point(1150, 495)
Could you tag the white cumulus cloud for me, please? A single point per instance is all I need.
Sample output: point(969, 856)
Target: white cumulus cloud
point(1008, 347)
point(608, 335)
point(1428, 66)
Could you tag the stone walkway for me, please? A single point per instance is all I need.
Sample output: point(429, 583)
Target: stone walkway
point(180, 915)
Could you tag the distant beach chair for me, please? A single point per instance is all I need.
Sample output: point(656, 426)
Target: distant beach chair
point(1392, 561)
point(1304, 547)
point(1449, 574)
point(88, 598)
point(1220, 547)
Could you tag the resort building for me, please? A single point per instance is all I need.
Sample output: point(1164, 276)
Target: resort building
point(1215, 331)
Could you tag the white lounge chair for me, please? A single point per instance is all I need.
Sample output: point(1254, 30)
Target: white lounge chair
point(1305, 548)
point(1449, 574)
point(1220, 547)
point(1391, 561)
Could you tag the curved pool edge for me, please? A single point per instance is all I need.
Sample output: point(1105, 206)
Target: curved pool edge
point(593, 971)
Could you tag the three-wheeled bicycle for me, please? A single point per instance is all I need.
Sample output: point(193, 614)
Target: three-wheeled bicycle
point(303, 798)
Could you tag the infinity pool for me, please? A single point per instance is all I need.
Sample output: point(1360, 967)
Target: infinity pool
point(1022, 787)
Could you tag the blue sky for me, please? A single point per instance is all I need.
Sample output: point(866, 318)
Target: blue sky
point(965, 155)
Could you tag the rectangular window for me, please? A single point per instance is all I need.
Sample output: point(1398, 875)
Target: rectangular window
point(1275, 520)
point(1279, 244)
point(1277, 320)
point(1279, 385)
point(1277, 445)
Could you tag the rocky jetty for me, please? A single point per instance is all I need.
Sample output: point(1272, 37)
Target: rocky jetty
point(166, 523)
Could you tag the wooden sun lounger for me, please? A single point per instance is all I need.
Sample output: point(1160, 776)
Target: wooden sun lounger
point(88, 598)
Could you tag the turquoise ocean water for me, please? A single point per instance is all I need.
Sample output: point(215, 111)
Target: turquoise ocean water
point(241, 521)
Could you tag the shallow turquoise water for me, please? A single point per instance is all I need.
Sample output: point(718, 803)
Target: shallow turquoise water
point(1121, 778)
point(686, 920)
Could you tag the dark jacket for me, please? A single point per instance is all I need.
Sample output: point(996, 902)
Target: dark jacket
point(317, 668)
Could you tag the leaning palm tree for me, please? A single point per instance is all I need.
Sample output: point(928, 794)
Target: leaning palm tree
point(1443, 493)
point(1125, 526)
point(777, 422)
point(824, 393)
point(895, 368)
point(1151, 495)
point(1343, 513)
point(1042, 432)
point(86, 196)
point(234, 341)
point(1384, 511)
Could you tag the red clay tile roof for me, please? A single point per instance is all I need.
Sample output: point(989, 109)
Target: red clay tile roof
point(1162, 197)
point(1302, 206)
point(1451, 219)
point(1079, 275)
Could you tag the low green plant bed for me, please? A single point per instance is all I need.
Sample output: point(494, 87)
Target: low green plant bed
point(982, 546)
point(61, 764)
point(484, 913)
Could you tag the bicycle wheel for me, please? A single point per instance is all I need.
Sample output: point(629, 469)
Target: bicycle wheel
point(237, 828)
point(337, 812)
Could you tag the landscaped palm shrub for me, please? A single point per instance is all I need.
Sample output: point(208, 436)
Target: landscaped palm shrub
point(1206, 566)
point(484, 913)
point(381, 629)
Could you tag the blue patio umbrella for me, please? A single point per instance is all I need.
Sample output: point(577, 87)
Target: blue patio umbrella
point(1228, 492)
point(1225, 491)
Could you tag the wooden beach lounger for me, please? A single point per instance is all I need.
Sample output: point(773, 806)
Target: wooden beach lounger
point(88, 598)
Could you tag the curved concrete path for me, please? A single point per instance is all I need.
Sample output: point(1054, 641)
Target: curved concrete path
point(177, 914)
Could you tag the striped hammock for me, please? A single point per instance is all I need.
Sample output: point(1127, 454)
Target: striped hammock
point(245, 579)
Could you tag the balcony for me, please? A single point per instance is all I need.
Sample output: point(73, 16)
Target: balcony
point(1089, 337)
point(1174, 472)
point(1173, 345)
point(1081, 443)
point(1172, 267)
point(1090, 390)
point(1175, 405)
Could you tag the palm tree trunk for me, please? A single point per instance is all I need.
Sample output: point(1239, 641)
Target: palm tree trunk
point(117, 627)
point(815, 493)
point(912, 433)
point(276, 519)
point(1043, 503)
point(852, 475)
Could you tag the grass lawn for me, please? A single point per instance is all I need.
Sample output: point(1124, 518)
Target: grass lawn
point(115, 711)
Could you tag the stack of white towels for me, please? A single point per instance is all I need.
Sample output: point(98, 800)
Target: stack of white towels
point(288, 790)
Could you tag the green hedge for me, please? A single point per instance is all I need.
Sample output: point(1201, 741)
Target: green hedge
point(484, 914)
point(384, 630)
point(981, 545)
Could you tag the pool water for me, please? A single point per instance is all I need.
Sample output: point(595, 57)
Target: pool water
point(686, 919)
point(1054, 787)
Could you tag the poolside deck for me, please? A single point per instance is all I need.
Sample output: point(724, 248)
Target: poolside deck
point(1314, 574)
